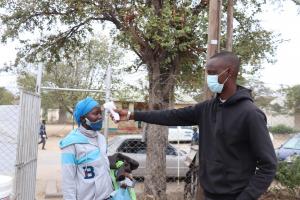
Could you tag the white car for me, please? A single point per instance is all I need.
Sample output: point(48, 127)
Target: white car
point(133, 147)
point(180, 134)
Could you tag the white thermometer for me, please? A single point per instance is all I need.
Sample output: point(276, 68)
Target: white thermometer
point(110, 106)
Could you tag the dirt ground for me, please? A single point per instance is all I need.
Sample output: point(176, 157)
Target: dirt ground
point(49, 160)
point(58, 130)
point(48, 166)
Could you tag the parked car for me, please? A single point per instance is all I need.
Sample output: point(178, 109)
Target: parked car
point(289, 149)
point(180, 133)
point(133, 147)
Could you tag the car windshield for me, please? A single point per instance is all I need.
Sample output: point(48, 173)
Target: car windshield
point(113, 141)
point(136, 146)
point(293, 143)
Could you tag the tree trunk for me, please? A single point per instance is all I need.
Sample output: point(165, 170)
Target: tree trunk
point(297, 118)
point(62, 118)
point(157, 137)
point(155, 180)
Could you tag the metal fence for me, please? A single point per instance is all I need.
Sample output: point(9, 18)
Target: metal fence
point(9, 118)
point(180, 156)
point(19, 125)
point(26, 161)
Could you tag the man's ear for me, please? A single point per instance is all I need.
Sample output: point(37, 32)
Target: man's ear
point(230, 71)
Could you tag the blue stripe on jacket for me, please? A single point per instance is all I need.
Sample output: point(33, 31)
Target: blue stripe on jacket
point(90, 157)
point(69, 158)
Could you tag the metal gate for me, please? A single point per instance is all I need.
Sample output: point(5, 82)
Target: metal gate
point(26, 160)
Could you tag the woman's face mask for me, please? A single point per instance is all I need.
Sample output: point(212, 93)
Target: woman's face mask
point(96, 126)
point(94, 119)
point(213, 82)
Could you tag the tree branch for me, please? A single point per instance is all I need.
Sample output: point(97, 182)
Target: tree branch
point(197, 9)
point(135, 51)
point(145, 48)
point(112, 17)
point(157, 6)
point(60, 38)
point(173, 71)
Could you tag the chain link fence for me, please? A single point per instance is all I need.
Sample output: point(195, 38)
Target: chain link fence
point(19, 125)
point(180, 156)
point(8, 138)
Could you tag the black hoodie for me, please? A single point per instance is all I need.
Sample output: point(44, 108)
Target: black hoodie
point(237, 157)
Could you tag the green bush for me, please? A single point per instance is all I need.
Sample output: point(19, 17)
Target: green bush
point(288, 174)
point(281, 128)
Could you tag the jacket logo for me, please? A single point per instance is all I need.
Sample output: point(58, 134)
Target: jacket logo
point(89, 172)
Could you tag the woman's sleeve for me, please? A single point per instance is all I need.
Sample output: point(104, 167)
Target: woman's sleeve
point(69, 167)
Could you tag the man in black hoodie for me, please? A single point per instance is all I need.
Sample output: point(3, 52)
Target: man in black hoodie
point(237, 158)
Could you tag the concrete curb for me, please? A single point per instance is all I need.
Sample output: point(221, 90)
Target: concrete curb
point(52, 190)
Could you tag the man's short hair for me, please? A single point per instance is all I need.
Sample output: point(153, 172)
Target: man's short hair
point(230, 59)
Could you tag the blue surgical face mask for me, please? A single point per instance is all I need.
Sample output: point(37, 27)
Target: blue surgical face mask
point(213, 83)
point(96, 126)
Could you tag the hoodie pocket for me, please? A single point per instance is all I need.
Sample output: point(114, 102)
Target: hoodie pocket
point(216, 176)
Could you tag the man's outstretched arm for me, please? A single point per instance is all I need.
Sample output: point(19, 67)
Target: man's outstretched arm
point(176, 117)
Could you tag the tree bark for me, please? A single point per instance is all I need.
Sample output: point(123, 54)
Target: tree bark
point(62, 118)
point(297, 118)
point(157, 136)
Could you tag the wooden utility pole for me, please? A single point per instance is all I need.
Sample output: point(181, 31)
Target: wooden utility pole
point(214, 26)
point(229, 25)
point(214, 16)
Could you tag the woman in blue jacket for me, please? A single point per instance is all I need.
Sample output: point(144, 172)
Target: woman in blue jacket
point(85, 165)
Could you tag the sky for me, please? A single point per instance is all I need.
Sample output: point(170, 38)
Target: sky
point(283, 20)
point(7, 54)
point(286, 21)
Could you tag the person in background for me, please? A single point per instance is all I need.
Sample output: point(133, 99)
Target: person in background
point(43, 134)
point(195, 138)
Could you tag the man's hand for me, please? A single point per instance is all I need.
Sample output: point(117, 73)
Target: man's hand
point(123, 115)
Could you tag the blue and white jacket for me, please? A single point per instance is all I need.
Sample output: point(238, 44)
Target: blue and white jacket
point(85, 166)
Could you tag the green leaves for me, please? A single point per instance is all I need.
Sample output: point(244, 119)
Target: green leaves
point(173, 35)
point(85, 69)
point(6, 97)
point(293, 98)
point(288, 174)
